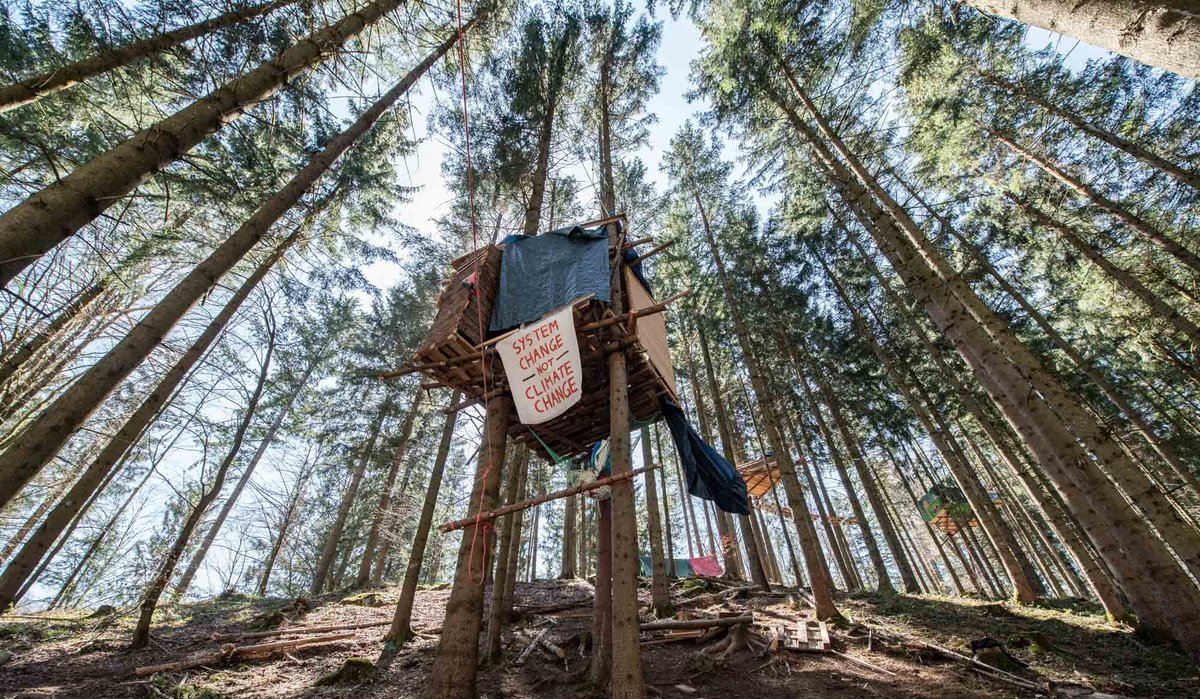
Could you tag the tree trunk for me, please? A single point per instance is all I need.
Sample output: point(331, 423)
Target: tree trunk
point(18, 571)
point(29, 452)
point(329, 550)
point(58, 211)
point(666, 507)
point(401, 630)
point(626, 677)
point(454, 668)
point(1160, 34)
point(385, 495)
point(1139, 225)
point(185, 581)
point(602, 596)
point(818, 570)
point(729, 545)
point(503, 571)
point(32, 89)
point(660, 593)
point(285, 525)
point(824, 509)
point(14, 360)
point(1065, 530)
point(1131, 551)
point(883, 579)
point(1160, 308)
point(508, 592)
point(869, 486)
point(567, 558)
point(1151, 159)
point(141, 633)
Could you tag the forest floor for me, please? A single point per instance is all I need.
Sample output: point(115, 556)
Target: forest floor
point(80, 656)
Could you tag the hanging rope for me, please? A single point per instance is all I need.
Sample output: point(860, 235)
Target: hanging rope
point(481, 482)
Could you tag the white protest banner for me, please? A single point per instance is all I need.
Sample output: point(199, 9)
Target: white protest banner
point(543, 368)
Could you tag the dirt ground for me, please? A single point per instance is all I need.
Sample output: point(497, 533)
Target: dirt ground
point(1068, 649)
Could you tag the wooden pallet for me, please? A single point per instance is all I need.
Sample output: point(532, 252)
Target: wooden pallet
point(804, 636)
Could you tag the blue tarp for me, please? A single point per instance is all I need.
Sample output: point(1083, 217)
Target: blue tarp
point(541, 273)
point(708, 474)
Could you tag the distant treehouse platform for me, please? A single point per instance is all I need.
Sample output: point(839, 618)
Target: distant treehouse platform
point(459, 350)
point(946, 507)
point(761, 475)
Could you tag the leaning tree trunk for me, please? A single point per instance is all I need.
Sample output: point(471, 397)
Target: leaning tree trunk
point(728, 543)
point(1161, 34)
point(333, 538)
point(401, 630)
point(660, 593)
point(385, 495)
point(454, 668)
point(1117, 210)
point(1080, 549)
point(60, 210)
point(15, 359)
point(141, 633)
point(883, 577)
point(29, 452)
point(810, 545)
point(1147, 157)
point(869, 486)
point(1160, 308)
point(1025, 586)
point(33, 89)
point(1005, 369)
point(18, 571)
point(285, 525)
point(210, 537)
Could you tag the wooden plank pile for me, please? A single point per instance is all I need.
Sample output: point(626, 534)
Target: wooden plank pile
point(804, 636)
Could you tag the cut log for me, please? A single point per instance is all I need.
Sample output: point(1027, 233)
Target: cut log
point(295, 630)
point(230, 652)
point(697, 623)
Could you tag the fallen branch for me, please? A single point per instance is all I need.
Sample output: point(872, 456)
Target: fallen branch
point(715, 596)
point(295, 629)
point(978, 665)
point(697, 623)
point(862, 662)
point(533, 644)
point(229, 652)
point(550, 609)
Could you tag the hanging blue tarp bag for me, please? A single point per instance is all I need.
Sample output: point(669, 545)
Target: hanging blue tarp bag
point(708, 474)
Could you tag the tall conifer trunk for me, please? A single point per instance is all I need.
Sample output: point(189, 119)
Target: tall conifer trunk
point(60, 210)
point(385, 495)
point(30, 451)
point(454, 668)
point(1159, 34)
point(401, 631)
point(33, 89)
point(329, 550)
point(149, 602)
point(1126, 544)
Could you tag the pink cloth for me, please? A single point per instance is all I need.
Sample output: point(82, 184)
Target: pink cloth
point(707, 565)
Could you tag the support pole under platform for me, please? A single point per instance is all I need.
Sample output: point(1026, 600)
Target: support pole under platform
point(453, 675)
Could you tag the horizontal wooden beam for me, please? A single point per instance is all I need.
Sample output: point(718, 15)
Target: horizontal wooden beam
point(533, 502)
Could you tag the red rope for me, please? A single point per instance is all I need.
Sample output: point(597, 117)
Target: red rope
point(483, 362)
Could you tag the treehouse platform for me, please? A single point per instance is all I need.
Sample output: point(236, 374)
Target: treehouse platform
point(458, 351)
point(946, 507)
point(760, 475)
